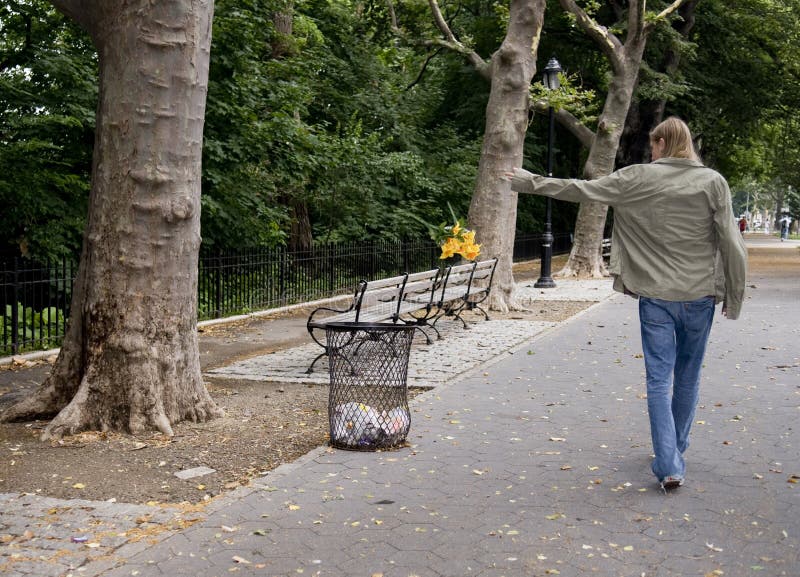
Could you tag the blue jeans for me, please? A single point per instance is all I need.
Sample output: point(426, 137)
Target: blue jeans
point(674, 338)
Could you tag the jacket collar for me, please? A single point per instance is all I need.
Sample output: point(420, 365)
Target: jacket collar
point(678, 161)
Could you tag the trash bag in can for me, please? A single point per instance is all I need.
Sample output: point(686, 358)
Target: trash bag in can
point(368, 401)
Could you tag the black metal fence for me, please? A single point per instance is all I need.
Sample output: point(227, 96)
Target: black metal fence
point(35, 297)
point(244, 281)
point(34, 303)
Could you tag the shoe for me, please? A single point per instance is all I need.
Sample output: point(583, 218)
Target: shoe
point(671, 482)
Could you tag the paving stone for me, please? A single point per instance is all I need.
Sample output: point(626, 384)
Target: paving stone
point(194, 472)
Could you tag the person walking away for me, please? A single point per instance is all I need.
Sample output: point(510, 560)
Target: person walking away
point(785, 222)
point(676, 247)
point(742, 225)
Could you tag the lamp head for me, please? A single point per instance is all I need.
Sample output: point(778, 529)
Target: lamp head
point(550, 74)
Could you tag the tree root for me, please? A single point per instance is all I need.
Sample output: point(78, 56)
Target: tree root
point(583, 272)
point(515, 305)
point(43, 403)
point(498, 301)
point(71, 419)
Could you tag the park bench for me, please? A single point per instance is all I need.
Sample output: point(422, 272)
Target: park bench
point(465, 287)
point(605, 249)
point(420, 298)
point(376, 301)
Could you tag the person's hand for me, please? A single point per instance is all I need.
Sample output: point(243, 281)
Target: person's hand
point(724, 310)
point(508, 175)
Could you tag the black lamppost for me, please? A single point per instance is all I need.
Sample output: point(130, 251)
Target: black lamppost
point(551, 82)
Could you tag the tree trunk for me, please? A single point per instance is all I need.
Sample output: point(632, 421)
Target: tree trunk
point(585, 259)
point(300, 233)
point(130, 359)
point(493, 209)
point(282, 19)
point(644, 115)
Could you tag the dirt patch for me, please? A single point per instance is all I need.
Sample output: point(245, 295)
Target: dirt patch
point(265, 425)
point(767, 261)
point(549, 311)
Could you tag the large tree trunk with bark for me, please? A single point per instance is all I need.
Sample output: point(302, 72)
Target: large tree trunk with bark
point(645, 115)
point(585, 259)
point(130, 359)
point(493, 209)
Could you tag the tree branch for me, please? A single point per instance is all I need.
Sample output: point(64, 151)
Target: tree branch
point(16, 57)
point(451, 42)
point(579, 130)
point(618, 8)
point(569, 121)
point(636, 11)
point(665, 13)
point(424, 67)
point(81, 11)
point(393, 17)
point(609, 44)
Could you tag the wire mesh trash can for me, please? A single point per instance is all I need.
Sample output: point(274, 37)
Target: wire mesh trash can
point(368, 401)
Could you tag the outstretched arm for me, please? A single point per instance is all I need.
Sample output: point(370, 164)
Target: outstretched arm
point(607, 190)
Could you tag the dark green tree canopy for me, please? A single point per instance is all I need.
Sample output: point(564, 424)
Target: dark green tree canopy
point(353, 120)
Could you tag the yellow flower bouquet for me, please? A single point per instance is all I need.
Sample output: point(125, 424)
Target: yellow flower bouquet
point(455, 239)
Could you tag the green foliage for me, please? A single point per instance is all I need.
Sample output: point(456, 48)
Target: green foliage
point(47, 100)
point(331, 124)
point(371, 132)
point(738, 74)
point(35, 329)
point(582, 102)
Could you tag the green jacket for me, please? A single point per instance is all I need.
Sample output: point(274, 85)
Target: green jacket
point(674, 238)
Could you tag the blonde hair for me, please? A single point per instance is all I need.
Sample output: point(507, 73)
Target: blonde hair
point(677, 138)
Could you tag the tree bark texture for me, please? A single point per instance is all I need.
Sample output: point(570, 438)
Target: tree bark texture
point(282, 19)
point(585, 259)
point(130, 359)
point(493, 209)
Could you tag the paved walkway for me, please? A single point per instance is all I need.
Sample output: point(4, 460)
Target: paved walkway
point(458, 351)
point(535, 463)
